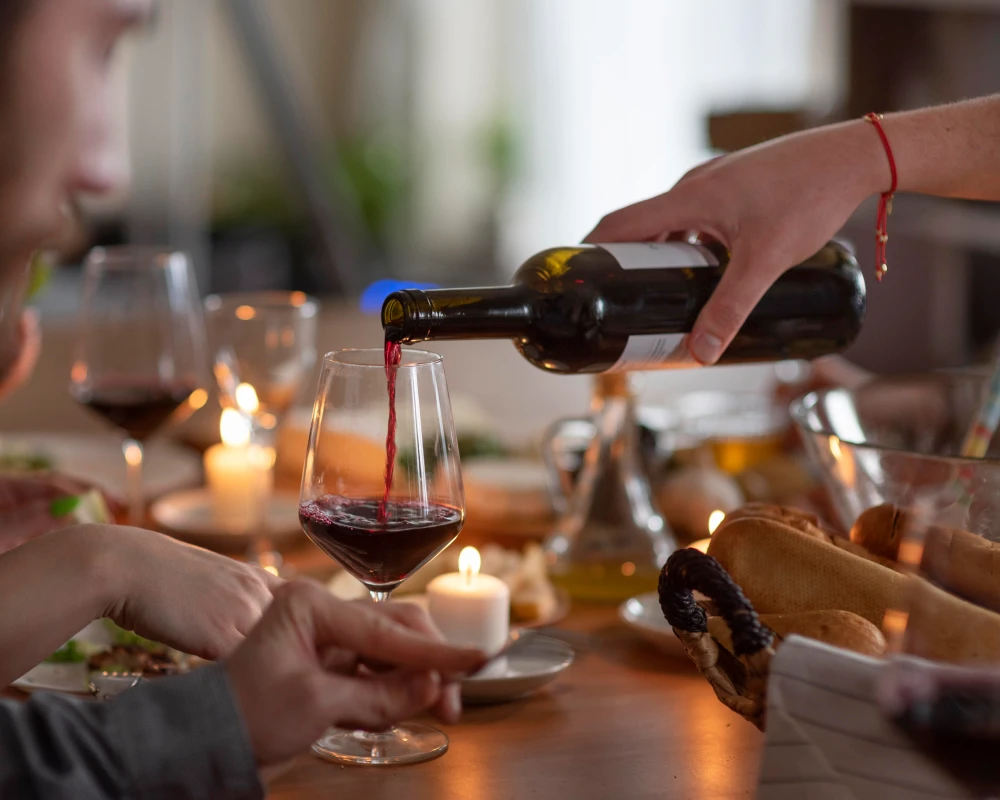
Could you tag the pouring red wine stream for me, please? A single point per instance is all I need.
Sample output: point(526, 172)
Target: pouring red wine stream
point(393, 355)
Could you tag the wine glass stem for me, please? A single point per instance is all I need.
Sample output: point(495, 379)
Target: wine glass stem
point(379, 597)
point(133, 452)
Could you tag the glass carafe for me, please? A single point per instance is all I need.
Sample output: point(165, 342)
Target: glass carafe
point(610, 540)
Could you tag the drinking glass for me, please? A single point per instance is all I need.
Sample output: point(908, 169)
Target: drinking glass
point(264, 344)
point(140, 349)
point(382, 518)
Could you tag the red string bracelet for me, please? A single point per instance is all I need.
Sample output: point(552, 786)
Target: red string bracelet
point(884, 202)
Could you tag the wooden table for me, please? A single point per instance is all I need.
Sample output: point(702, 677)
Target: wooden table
point(623, 722)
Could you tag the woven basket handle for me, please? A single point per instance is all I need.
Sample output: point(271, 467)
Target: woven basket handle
point(691, 570)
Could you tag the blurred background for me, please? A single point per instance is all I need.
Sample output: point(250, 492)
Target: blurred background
point(337, 146)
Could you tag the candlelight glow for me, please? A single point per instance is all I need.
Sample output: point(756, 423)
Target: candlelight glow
point(246, 398)
point(701, 544)
point(469, 562)
point(246, 313)
point(835, 447)
point(198, 398)
point(133, 454)
point(234, 429)
point(715, 520)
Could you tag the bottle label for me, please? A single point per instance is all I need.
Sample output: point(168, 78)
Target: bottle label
point(655, 351)
point(660, 255)
point(666, 350)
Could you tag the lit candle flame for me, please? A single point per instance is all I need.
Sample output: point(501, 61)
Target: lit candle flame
point(246, 398)
point(835, 447)
point(234, 428)
point(715, 520)
point(469, 562)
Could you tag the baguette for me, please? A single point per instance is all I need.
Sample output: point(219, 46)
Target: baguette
point(809, 524)
point(964, 562)
point(837, 628)
point(782, 570)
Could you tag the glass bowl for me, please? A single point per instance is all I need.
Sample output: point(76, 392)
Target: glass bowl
point(897, 440)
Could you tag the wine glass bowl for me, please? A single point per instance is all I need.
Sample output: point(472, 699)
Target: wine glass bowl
point(264, 345)
point(382, 518)
point(140, 349)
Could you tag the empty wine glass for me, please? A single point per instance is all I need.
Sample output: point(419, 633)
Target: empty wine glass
point(140, 351)
point(382, 517)
point(264, 344)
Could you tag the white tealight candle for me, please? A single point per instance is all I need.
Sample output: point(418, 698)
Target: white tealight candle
point(470, 609)
point(238, 474)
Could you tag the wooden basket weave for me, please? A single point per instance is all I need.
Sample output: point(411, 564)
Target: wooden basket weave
point(738, 678)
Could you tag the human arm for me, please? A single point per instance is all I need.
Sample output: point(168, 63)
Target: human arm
point(205, 735)
point(776, 204)
point(53, 586)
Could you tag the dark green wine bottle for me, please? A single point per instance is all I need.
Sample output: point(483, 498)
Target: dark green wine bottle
point(631, 306)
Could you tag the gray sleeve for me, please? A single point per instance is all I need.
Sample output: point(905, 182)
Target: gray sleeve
point(177, 737)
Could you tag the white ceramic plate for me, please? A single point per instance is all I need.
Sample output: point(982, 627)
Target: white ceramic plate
point(65, 678)
point(521, 673)
point(188, 516)
point(68, 678)
point(643, 615)
point(97, 459)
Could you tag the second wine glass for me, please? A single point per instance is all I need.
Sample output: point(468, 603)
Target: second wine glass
point(263, 344)
point(140, 351)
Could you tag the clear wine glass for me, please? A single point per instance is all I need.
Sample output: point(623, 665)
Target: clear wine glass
point(140, 349)
point(382, 518)
point(264, 344)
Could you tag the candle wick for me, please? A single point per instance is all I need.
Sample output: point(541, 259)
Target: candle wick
point(468, 578)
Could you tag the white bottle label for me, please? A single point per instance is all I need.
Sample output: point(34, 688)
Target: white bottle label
point(660, 255)
point(667, 350)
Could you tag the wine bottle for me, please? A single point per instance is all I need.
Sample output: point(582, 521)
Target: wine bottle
point(630, 306)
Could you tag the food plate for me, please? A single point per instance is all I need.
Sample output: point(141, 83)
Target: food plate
point(96, 459)
point(67, 678)
point(643, 615)
point(188, 516)
point(534, 662)
point(64, 678)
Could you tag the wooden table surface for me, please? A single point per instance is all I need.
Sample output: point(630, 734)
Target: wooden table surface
point(624, 721)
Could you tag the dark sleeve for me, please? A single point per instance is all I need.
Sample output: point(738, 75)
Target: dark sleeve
point(179, 737)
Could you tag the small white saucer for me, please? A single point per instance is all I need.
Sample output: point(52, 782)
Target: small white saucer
point(534, 662)
point(188, 516)
point(643, 615)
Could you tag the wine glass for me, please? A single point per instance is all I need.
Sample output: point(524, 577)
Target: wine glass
point(140, 351)
point(382, 518)
point(264, 344)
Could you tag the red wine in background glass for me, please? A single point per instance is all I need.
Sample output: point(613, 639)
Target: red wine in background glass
point(137, 407)
point(379, 553)
point(393, 355)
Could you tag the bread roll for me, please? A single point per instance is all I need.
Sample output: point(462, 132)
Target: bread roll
point(964, 562)
point(837, 628)
point(782, 570)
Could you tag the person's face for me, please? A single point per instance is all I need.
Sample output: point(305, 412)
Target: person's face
point(56, 124)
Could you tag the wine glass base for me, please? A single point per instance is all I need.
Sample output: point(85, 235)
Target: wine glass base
point(409, 744)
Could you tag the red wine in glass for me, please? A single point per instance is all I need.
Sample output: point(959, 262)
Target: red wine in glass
point(381, 553)
point(138, 407)
point(393, 355)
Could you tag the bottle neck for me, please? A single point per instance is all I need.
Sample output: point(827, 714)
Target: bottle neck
point(413, 315)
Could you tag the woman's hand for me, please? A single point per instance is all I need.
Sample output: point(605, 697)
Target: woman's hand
point(315, 662)
point(188, 598)
point(29, 334)
point(772, 206)
point(26, 505)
